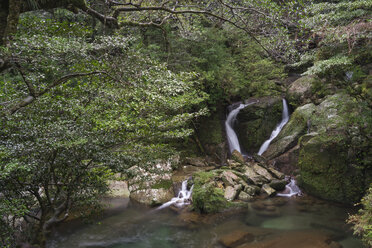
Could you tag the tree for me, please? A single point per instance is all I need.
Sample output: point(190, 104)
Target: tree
point(73, 112)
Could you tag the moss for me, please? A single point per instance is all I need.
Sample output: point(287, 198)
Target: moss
point(206, 197)
point(325, 171)
point(162, 184)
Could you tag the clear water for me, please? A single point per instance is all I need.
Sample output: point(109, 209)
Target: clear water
point(137, 226)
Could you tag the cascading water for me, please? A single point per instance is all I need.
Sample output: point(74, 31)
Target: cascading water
point(276, 131)
point(232, 138)
point(291, 189)
point(183, 198)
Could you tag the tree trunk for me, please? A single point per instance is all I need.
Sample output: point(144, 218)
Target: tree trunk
point(12, 20)
point(4, 11)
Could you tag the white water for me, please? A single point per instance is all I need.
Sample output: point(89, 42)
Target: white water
point(291, 189)
point(183, 198)
point(276, 131)
point(232, 138)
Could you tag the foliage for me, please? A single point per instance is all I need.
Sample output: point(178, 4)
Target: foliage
point(363, 220)
point(97, 107)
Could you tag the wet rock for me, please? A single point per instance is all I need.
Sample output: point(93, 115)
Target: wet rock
point(268, 190)
point(252, 189)
point(237, 156)
point(236, 238)
point(278, 184)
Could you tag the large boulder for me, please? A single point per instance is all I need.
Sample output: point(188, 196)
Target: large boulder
point(297, 126)
point(335, 157)
point(300, 91)
point(256, 122)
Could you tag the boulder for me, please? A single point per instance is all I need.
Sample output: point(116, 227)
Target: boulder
point(237, 156)
point(118, 189)
point(300, 91)
point(291, 132)
point(278, 185)
point(230, 193)
point(229, 178)
point(152, 197)
point(195, 161)
point(331, 165)
point(236, 238)
point(268, 190)
point(263, 172)
point(243, 196)
point(253, 177)
point(256, 122)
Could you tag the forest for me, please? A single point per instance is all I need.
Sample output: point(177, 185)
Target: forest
point(96, 93)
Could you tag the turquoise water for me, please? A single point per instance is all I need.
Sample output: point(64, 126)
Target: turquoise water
point(275, 222)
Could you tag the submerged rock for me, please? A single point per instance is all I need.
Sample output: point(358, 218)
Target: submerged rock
point(236, 238)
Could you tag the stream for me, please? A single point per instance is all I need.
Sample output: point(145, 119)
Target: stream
point(281, 221)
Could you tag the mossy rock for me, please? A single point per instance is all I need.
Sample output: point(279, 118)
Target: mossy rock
point(256, 122)
point(291, 132)
point(325, 172)
point(333, 157)
point(206, 196)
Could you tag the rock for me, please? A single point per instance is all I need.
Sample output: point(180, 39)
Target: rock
point(268, 190)
point(300, 91)
point(303, 239)
point(152, 197)
point(237, 156)
point(326, 155)
point(291, 132)
point(288, 161)
point(278, 185)
point(118, 189)
point(263, 172)
point(256, 122)
point(253, 177)
point(230, 193)
point(252, 190)
point(195, 161)
point(206, 196)
point(243, 196)
point(236, 238)
point(233, 164)
point(276, 173)
point(229, 178)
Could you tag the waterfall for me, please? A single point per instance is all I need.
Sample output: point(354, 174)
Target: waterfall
point(291, 189)
point(276, 131)
point(183, 198)
point(232, 138)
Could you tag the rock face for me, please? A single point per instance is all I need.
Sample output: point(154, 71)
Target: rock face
point(329, 144)
point(256, 122)
point(334, 159)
